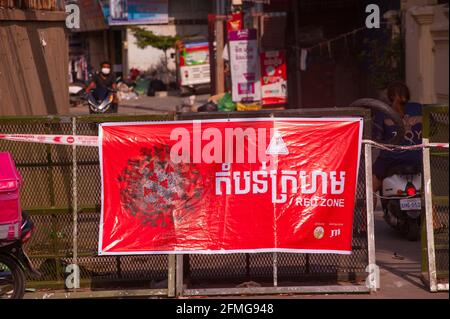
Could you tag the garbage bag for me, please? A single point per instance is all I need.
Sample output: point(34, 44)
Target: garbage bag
point(141, 86)
point(208, 107)
point(156, 86)
point(226, 104)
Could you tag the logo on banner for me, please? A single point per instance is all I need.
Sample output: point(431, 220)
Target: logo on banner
point(277, 146)
point(335, 233)
point(243, 33)
point(319, 232)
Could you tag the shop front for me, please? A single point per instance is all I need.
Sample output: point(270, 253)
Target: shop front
point(298, 54)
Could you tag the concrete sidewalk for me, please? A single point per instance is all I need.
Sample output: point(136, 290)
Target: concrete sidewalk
point(400, 268)
point(400, 271)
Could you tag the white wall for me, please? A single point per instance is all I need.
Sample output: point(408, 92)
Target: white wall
point(427, 53)
point(439, 32)
point(412, 33)
point(148, 58)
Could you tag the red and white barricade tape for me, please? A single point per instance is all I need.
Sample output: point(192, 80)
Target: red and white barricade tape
point(82, 140)
point(391, 147)
point(78, 140)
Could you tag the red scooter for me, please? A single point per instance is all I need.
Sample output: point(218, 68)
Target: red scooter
point(15, 230)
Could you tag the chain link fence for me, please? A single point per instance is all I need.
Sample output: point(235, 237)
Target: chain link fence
point(47, 196)
point(436, 130)
point(283, 272)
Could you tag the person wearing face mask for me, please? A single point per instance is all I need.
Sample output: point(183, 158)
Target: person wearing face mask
point(102, 82)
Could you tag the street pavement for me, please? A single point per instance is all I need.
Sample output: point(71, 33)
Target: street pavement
point(148, 105)
point(400, 267)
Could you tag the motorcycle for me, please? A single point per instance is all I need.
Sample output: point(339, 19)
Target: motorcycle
point(75, 94)
point(15, 230)
point(102, 106)
point(402, 187)
point(401, 200)
point(14, 263)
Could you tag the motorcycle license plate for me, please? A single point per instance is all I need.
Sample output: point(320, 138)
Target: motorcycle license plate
point(410, 204)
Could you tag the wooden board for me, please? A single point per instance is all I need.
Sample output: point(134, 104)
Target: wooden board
point(33, 67)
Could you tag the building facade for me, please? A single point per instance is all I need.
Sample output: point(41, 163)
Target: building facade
point(426, 38)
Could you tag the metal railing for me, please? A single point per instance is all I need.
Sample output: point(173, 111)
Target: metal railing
point(273, 273)
point(61, 193)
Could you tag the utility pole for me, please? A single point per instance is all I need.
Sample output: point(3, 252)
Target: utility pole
point(220, 7)
point(218, 42)
point(297, 84)
point(257, 12)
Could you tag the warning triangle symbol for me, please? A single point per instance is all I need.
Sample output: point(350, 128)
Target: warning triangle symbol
point(277, 146)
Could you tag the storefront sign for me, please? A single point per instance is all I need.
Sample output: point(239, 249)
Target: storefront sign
point(274, 78)
point(127, 12)
point(244, 63)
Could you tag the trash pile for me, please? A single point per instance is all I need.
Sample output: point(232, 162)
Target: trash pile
point(140, 84)
point(126, 92)
point(224, 103)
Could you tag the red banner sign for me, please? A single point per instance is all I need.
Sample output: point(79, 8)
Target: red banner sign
point(227, 186)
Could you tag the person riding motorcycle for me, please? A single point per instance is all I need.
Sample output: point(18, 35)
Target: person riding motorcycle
point(102, 83)
point(385, 129)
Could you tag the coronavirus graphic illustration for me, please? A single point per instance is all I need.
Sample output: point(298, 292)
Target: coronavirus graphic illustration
point(156, 191)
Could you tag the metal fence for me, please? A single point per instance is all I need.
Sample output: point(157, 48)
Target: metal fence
point(435, 230)
point(48, 195)
point(268, 273)
point(62, 194)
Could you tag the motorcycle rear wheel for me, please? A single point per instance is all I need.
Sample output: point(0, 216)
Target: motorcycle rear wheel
point(12, 279)
point(413, 233)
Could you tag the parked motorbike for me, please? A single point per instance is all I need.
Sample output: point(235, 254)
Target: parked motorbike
point(75, 94)
point(15, 264)
point(402, 187)
point(15, 230)
point(401, 200)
